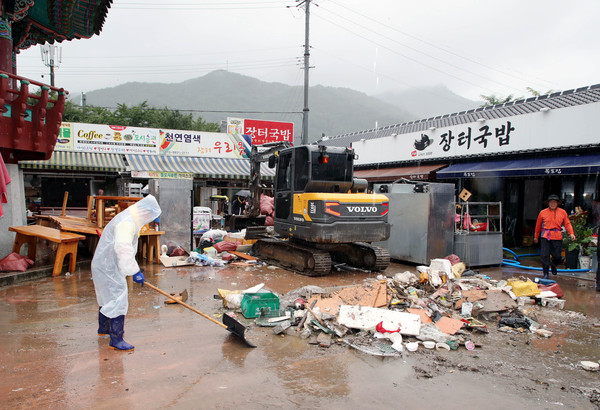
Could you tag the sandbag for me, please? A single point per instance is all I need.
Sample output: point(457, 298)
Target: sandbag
point(179, 251)
point(225, 246)
point(454, 259)
point(267, 205)
point(15, 262)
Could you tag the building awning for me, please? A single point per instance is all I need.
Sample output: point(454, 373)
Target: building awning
point(391, 174)
point(78, 161)
point(202, 167)
point(544, 166)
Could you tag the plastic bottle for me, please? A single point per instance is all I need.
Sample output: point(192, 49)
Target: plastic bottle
point(156, 224)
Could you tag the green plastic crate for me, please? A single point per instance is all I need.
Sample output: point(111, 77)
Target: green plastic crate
point(253, 303)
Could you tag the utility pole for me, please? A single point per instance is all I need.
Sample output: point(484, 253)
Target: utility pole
point(52, 57)
point(306, 68)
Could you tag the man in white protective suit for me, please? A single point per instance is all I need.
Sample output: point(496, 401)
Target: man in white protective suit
point(114, 260)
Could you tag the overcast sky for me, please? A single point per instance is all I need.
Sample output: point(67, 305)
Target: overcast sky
point(473, 47)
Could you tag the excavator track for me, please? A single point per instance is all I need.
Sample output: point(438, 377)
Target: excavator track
point(359, 255)
point(291, 255)
point(316, 259)
point(382, 258)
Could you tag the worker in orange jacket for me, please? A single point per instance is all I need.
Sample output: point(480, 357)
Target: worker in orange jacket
point(549, 226)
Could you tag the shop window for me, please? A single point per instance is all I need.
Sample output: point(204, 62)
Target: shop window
point(53, 190)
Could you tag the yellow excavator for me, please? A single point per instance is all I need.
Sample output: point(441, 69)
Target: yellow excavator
point(324, 217)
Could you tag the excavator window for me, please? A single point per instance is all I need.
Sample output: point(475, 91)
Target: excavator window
point(284, 173)
point(338, 167)
point(301, 168)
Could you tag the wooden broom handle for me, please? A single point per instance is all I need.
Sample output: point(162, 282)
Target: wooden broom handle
point(151, 286)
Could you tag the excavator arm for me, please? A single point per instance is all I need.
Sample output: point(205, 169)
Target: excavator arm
point(260, 154)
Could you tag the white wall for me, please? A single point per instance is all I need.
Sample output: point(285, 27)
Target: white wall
point(555, 128)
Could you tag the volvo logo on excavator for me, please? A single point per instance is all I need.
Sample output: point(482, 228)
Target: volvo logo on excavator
point(353, 209)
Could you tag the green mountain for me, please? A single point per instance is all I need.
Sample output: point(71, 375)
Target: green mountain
point(222, 94)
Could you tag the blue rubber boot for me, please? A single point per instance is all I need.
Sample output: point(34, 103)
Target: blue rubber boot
point(117, 325)
point(103, 324)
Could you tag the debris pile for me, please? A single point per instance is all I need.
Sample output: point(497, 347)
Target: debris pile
point(217, 248)
point(442, 306)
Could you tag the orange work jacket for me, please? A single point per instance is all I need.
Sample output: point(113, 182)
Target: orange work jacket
point(549, 224)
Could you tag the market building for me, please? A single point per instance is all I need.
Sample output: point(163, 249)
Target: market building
point(515, 153)
point(183, 169)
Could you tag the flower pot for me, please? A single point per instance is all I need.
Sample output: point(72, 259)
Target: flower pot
point(571, 259)
point(585, 262)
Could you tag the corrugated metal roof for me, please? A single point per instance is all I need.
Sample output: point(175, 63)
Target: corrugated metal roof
point(203, 167)
point(81, 161)
point(568, 98)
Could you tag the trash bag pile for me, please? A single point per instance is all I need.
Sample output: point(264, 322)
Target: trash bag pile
point(199, 259)
point(15, 262)
point(442, 306)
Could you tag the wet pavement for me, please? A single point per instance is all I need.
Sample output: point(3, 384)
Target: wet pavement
point(50, 356)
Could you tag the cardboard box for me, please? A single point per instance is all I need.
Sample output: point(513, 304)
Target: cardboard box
point(239, 241)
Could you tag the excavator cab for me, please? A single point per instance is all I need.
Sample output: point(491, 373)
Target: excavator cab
point(318, 200)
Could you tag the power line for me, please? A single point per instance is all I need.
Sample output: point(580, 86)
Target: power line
point(200, 6)
point(409, 85)
point(137, 57)
point(419, 51)
point(290, 60)
point(107, 71)
point(405, 56)
point(209, 111)
point(446, 50)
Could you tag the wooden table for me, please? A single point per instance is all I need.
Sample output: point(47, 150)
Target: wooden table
point(123, 202)
point(67, 243)
point(150, 239)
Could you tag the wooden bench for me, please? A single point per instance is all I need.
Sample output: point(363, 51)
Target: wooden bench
point(67, 243)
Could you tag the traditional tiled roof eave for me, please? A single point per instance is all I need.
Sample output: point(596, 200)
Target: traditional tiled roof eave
point(60, 20)
point(568, 98)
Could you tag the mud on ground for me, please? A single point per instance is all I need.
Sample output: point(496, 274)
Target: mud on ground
point(51, 357)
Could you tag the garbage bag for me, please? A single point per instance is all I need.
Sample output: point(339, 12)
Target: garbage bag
point(14, 262)
point(454, 259)
point(267, 205)
point(514, 322)
point(225, 246)
point(214, 235)
point(204, 260)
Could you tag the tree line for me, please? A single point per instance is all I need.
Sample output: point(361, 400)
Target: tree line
point(493, 99)
point(141, 115)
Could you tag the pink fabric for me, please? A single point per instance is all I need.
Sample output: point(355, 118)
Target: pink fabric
point(4, 181)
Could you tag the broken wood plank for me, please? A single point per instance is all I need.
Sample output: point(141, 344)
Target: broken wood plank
point(243, 255)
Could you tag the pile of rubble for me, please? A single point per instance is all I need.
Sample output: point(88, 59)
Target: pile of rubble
point(440, 307)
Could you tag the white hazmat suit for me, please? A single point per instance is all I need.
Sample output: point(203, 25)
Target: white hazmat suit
point(114, 258)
